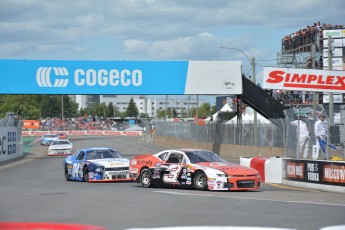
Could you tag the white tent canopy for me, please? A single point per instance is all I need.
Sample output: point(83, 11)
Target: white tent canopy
point(248, 118)
point(225, 108)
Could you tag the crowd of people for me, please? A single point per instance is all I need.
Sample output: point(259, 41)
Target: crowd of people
point(291, 97)
point(90, 123)
point(306, 36)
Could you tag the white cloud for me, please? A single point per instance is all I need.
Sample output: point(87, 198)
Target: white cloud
point(151, 29)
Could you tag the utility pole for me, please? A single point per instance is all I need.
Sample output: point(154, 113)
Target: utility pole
point(315, 94)
point(255, 113)
point(166, 107)
point(197, 109)
point(330, 67)
point(330, 95)
point(62, 106)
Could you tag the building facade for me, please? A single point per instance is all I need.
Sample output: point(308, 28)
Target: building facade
point(146, 104)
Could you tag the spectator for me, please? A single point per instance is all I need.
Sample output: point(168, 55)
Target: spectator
point(320, 130)
point(302, 137)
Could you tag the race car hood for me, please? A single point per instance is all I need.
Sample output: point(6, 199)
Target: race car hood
point(229, 168)
point(111, 162)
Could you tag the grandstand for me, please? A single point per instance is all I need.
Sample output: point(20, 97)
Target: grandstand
point(306, 47)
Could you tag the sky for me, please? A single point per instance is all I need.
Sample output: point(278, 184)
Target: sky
point(158, 29)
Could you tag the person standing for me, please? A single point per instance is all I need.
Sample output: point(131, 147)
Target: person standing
point(303, 138)
point(320, 130)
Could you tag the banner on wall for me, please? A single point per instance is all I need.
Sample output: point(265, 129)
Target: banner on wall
point(31, 124)
point(318, 172)
point(304, 79)
point(120, 77)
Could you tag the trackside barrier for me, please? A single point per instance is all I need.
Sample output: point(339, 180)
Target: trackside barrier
point(85, 133)
point(324, 175)
point(270, 169)
point(46, 226)
point(11, 145)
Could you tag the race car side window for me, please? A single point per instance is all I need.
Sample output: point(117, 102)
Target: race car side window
point(175, 158)
point(81, 156)
point(163, 156)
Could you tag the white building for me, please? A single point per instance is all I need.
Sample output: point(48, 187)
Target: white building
point(146, 104)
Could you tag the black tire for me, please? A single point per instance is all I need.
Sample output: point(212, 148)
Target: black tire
point(86, 175)
point(146, 178)
point(66, 174)
point(200, 181)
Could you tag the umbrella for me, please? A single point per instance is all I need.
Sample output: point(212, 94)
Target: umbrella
point(323, 145)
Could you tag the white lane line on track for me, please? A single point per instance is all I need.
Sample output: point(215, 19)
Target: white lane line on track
point(244, 198)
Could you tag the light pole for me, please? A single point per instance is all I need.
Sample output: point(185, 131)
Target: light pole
point(252, 63)
point(62, 117)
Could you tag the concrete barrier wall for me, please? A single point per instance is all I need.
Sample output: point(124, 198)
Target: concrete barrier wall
point(226, 151)
point(270, 169)
point(11, 145)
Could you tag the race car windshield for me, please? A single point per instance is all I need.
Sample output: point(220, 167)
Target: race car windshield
point(203, 156)
point(102, 154)
point(60, 143)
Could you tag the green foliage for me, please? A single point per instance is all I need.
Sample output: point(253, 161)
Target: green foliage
point(161, 113)
point(132, 109)
point(36, 106)
point(25, 104)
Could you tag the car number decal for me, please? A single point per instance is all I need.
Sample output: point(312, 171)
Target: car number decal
point(75, 170)
point(174, 171)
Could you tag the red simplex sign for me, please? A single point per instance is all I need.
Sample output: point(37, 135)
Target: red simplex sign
point(304, 79)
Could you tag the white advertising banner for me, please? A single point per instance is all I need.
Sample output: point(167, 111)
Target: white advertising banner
point(337, 98)
point(333, 33)
point(335, 62)
point(336, 52)
point(304, 79)
point(336, 42)
point(221, 77)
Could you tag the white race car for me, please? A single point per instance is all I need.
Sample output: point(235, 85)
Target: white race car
point(60, 147)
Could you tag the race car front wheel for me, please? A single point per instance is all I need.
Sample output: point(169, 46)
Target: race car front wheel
point(86, 174)
point(146, 178)
point(200, 181)
point(66, 173)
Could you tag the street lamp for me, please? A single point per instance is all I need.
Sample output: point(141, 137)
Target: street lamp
point(252, 63)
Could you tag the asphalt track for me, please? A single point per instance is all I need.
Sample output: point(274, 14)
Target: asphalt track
point(34, 189)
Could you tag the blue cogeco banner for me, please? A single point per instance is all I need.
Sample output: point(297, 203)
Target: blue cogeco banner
point(119, 77)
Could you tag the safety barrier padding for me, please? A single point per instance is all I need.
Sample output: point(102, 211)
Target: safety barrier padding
point(270, 169)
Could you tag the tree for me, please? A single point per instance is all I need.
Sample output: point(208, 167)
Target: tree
point(161, 113)
point(204, 110)
point(132, 109)
point(25, 104)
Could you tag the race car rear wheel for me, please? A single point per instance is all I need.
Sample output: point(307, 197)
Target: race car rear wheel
point(146, 178)
point(200, 181)
point(66, 173)
point(86, 174)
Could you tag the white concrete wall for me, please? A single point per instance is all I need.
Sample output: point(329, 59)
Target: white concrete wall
point(10, 145)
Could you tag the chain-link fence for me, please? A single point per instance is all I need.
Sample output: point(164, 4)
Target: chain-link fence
point(286, 135)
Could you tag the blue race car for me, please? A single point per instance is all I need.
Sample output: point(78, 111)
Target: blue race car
point(96, 165)
point(47, 139)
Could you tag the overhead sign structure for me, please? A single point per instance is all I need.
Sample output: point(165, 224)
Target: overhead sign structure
point(337, 48)
point(120, 77)
point(304, 79)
